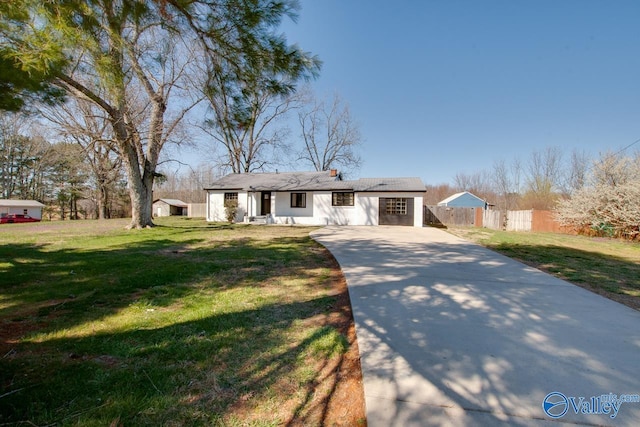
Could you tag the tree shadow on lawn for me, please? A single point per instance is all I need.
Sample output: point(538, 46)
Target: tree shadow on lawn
point(189, 372)
point(44, 291)
point(86, 283)
point(614, 277)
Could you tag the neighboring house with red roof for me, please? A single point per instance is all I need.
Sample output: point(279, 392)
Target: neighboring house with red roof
point(317, 198)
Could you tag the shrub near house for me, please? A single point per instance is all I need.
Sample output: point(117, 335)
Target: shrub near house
point(230, 210)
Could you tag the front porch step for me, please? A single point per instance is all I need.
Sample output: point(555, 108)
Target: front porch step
point(261, 219)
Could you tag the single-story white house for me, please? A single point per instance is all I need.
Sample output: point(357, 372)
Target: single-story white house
point(464, 200)
point(169, 207)
point(317, 198)
point(32, 208)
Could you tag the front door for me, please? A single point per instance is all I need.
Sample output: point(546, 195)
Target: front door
point(265, 205)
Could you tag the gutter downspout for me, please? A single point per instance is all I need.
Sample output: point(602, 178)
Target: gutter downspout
point(208, 205)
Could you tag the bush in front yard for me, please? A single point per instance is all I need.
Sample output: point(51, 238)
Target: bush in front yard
point(230, 210)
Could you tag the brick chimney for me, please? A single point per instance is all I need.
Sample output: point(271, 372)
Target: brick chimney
point(333, 173)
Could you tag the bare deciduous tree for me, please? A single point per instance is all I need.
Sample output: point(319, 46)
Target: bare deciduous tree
point(69, 176)
point(544, 170)
point(543, 178)
point(330, 135)
point(83, 123)
point(23, 159)
point(437, 193)
point(248, 123)
point(506, 181)
point(186, 186)
point(131, 58)
point(576, 174)
point(478, 183)
point(125, 61)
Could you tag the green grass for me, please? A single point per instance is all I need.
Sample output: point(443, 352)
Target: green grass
point(187, 323)
point(607, 266)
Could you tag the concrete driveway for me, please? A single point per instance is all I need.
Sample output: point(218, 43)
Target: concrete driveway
point(451, 333)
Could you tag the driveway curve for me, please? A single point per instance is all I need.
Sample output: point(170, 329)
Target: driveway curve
point(451, 333)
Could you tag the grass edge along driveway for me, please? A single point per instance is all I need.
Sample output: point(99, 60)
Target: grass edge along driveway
point(188, 323)
point(608, 267)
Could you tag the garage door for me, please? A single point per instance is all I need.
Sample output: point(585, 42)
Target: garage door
point(395, 211)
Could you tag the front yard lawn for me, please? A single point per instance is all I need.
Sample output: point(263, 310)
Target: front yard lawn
point(188, 323)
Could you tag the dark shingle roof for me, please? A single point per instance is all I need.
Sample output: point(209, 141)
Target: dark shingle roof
point(389, 184)
point(312, 181)
point(287, 181)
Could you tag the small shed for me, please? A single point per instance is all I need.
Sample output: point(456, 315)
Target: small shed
point(33, 208)
point(169, 207)
point(463, 200)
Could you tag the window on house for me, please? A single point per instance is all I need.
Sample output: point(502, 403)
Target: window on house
point(397, 206)
point(229, 197)
point(298, 200)
point(342, 199)
point(25, 211)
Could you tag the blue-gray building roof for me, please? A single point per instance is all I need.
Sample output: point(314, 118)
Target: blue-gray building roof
point(463, 200)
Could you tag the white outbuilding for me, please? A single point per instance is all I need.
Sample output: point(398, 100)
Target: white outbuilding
point(33, 208)
point(169, 207)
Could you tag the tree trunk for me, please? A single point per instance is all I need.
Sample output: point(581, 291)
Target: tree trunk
point(141, 194)
point(141, 209)
point(102, 197)
point(140, 174)
point(103, 201)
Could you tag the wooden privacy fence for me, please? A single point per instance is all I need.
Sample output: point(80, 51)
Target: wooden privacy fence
point(443, 215)
point(535, 220)
point(197, 210)
point(519, 220)
point(523, 220)
point(492, 219)
point(545, 221)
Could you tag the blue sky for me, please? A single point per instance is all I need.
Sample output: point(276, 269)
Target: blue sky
point(445, 87)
